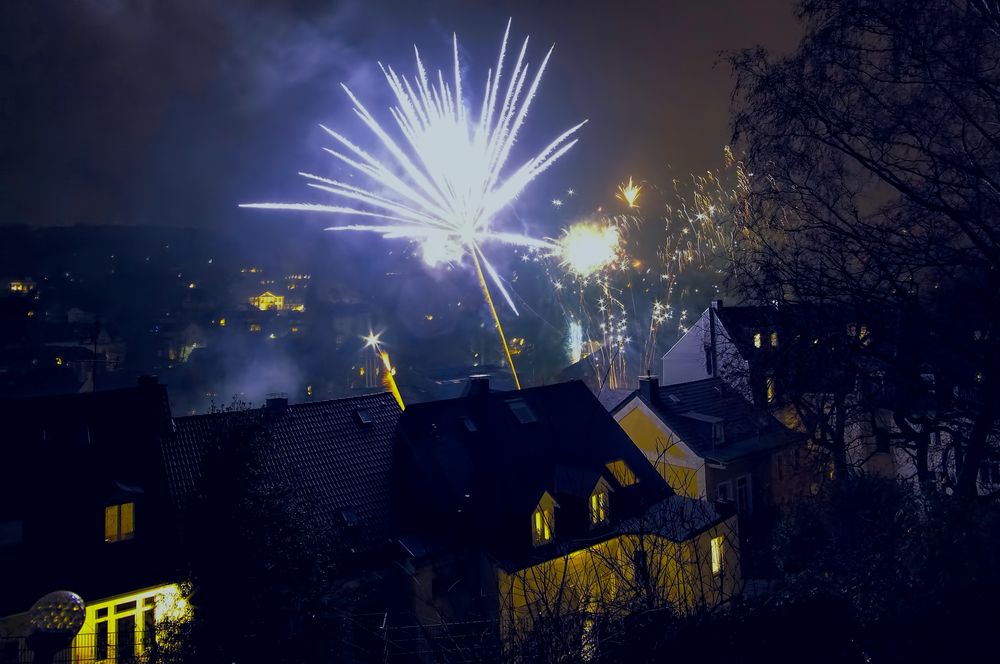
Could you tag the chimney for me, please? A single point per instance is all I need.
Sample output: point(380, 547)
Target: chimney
point(478, 386)
point(276, 404)
point(716, 304)
point(649, 387)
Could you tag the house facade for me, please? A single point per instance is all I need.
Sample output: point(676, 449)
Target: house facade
point(709, 443)
point(790, 361)
point(533, 506)
point(83, 507)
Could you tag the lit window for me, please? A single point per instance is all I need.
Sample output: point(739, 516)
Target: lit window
point(255, 327)
point(119, 522)
point(543, 525)
point(716, 555)
point(769, 384)
point(622, 473)
point(599, 507)
point(774, 340)
point(757, 341)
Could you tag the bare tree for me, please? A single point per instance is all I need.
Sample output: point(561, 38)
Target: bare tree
point(875, 149)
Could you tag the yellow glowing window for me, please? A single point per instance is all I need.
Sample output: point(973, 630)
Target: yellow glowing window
point(769, 383)
point(757, 340)
point(598, 507)
point(222, 322)
point(774, 340)
point(717, 553)
point(255, 327)
point(119, 522)
point(622, 472)
point(543, 526)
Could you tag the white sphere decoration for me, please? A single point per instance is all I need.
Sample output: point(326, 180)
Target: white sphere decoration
point(59, 612)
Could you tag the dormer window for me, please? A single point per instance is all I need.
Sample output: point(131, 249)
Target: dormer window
point(774, 339)
point(119, 522)
point(599, 506)
point(543, 521)
point(622, 472)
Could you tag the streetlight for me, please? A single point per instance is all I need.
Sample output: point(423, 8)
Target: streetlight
point(55, 620)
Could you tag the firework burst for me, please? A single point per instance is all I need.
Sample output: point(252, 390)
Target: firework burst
point(629, 193)
point(448, 177)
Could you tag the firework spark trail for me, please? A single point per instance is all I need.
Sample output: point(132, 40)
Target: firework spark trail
point(374, 342)
point(700, 231)
point(591, 260)
point(448, 179)
point(629, 193)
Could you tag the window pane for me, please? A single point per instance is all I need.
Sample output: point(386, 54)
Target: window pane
point(125, 639)
point(148, 628)
point(111, 523)
point(101, 641)
point(128, 520)
point(716, 555)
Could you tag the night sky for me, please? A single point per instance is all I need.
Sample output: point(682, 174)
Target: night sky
point(171, 112)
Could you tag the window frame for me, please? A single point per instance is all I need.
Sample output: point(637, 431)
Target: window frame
point(599, 506)
point(115, 530)
point(717, 549)
point(543, 529)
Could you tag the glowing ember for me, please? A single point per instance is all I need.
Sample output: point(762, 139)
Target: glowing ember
point(587, 248)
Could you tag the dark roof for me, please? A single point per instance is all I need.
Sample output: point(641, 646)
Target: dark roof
point(478, 465)
point(340, 451)
point(691, 410)
point(611, 399)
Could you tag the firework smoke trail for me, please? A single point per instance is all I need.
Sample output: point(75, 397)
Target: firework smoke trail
point(448, 178)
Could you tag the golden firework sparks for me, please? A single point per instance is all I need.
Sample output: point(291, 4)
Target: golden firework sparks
point(629, 193)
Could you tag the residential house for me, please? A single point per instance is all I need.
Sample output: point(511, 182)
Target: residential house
point(794, 361)
point(83, 508)
point(708, 442)
point(336, 458)
point(534, 505)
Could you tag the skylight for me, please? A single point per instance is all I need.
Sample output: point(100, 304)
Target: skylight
point(363, 416)
point(522, 411)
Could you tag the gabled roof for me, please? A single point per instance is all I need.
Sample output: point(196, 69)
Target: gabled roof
point(341, 452)
point(691, 410)
point(483, 461)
